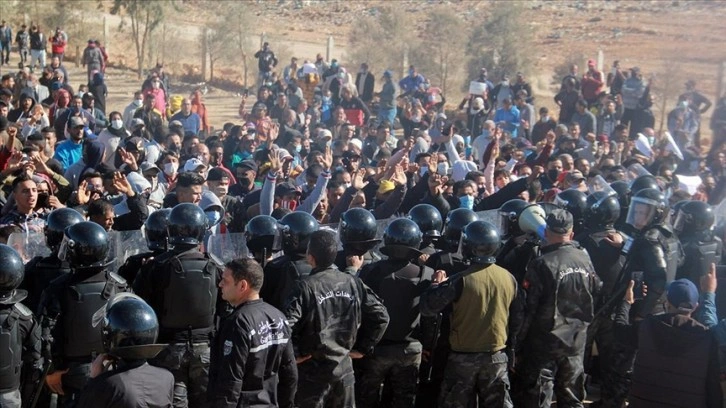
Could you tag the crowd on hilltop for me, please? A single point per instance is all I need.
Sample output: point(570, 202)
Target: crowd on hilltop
point(322, 144)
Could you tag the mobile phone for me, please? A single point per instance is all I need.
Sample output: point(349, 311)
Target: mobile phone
point(637, 277)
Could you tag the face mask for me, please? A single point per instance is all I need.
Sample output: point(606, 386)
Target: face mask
point(553, 174)
point(298, 148)
point(683, 104)
point(117, 123)
point(442, 168)
point(467, 202)
point(170, 168)
point(326, 99)
point(347, 185)
point(138, 102)
point(545, 118)
point(505, 83)
point(423, 170)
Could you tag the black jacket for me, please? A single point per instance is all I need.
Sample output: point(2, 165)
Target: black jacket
point(332, 313)
point(559, 283)
point(366, 94)
point(130, 385)
point(252, 359)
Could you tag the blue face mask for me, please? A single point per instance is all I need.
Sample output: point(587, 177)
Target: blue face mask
point(411, 72)
point(467, 202)
point(298, 148)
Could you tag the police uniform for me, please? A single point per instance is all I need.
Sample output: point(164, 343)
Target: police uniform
point(19, 328)
point(39, 273)
point(281, 275)
point(481, 296)
point(253, 362)
point(134, 263)
point(129, 385)
point(397, 357)
point(331, 313)
point(181, 287)
point(66, 311)
point(560, 285)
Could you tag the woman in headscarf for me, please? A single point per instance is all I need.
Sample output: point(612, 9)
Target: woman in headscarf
point(112, 136)
point(200, 109)
point(62, 100)
point(97, 86)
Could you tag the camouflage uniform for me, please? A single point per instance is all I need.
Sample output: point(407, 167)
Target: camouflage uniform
point(616, 364)
point(481, 374)
point(394, 367)
point(545, 372)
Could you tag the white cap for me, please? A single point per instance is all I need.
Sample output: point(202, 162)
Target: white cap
point(356, 142)
point(193, 164)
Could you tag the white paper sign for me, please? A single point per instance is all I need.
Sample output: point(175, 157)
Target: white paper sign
point(477, 88)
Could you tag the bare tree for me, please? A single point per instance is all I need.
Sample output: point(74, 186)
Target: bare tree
point(503, 44)
point(145, 16)
point(438, 55)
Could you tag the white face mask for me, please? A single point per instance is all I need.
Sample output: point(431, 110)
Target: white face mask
point(138, 102)
point(171, 168)
point(117, 123)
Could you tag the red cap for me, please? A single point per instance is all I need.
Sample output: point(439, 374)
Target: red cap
point(591, 62)
point(603, 138)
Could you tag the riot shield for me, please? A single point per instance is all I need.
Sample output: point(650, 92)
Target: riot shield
point(29, 244)
point(123, 244)
point(228, 247)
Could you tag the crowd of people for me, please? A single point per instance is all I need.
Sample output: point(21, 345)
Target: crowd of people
point(600, 270)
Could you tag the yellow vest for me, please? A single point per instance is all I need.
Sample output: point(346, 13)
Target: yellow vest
point(480, 317)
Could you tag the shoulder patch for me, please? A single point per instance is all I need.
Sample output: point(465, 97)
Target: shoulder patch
point(227, 347)
point(117, 279)
point(23, 310)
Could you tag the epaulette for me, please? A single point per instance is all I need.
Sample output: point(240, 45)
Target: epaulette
point(23, 311)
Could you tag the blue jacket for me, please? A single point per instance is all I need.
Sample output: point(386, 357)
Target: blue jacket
point(191, 123)
point(511, 117)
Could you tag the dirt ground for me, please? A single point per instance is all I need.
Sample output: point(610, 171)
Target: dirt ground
point(671, 41)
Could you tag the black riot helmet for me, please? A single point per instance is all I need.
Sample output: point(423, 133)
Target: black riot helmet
point(623, 190)
point(603, 209)
point(479, 242)
point(643, 182)
point(187, 224)
point(12, 272)
point(402, 239)
point(357, 231)
point(509, 214)
point(647, 208)
point(694, 217)
point(85, 245)
point(130, 328)
point(574, 201)
point(57, 222)
point(675, 209)
point(298, 226)
point(428, 219)
point(456, 220)
point(155, 227)
point(260, 234)
point(548, 207)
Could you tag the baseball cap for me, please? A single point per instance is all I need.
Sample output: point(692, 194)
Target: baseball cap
point(356, 142)
point(137, 122)
point(193, 164)
point(248, 165)
point(76, 122)
point(683, 294)
point(574, 176)
point(147, 167)
point(591, 62)
point(217, 174)
point(560, 221)
point(325, 134)
point(286, 188)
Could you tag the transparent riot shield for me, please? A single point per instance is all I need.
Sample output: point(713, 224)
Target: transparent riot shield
point(29, 245)
point(228, 247)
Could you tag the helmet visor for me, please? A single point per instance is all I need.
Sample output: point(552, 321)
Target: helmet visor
point(641, 212)
point(636, 170)
point(504, 222)
point(597, 183)
point(65, 246)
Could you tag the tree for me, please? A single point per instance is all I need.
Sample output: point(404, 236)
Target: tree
point(503, 44)
point(145, 16)
point(437, 55)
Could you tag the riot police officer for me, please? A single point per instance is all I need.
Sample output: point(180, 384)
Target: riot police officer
point(261, 233)
point(623, 191)
point(40, 271)
point(575, 202)
point(398, 281)
point(429, 221)
point(181, 286)
point(448, 258)
point(701, 247)
point(20, 333)
point(156, 239)
point(655, 252)
point(283, 272)
point(357, 232)
point(67, 307)
point(481, 296)
point(130, 329)
point(643, 182)
point(560, 285)
point(520, 246)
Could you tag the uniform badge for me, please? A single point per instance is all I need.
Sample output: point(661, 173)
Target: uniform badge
point(227, 347)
